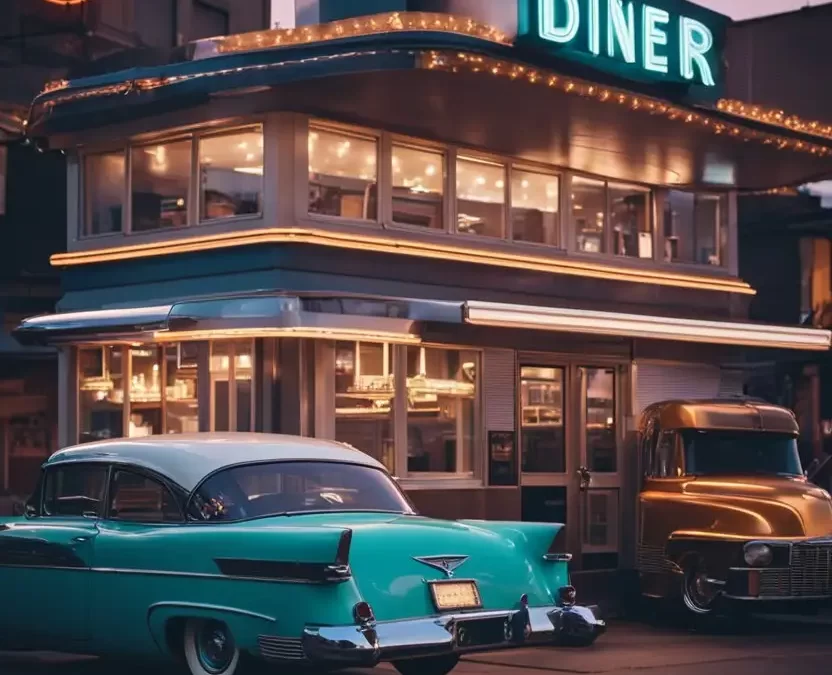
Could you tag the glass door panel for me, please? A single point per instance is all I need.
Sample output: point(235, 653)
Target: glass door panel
point(542, 427)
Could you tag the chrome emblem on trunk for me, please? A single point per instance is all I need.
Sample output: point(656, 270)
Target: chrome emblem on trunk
point(443, 563)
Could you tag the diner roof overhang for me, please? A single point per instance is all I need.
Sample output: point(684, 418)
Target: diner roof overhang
point(451, 79)
point(334, 317)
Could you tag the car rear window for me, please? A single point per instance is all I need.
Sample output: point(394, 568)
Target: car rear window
point(289, 488)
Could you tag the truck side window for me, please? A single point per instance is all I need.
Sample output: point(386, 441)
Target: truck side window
point(669, 461)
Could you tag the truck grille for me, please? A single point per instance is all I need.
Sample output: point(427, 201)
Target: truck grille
point(810, 574)
point(280, 648)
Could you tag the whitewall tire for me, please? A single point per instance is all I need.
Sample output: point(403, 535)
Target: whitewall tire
point(209, 648)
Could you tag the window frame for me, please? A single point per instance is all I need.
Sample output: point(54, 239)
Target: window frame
point(722, 230)
point(175, 495)
point(382, 175)
point(325, 403)
point(488, 159)
point(391, 141)
point(560, 243)
point(194, 220)
point(49, 471)
point(198, 137)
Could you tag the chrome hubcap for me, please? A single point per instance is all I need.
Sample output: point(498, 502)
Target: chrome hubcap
point(699, 592)
point(214, 647)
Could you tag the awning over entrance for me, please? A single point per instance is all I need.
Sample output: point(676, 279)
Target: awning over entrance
point(326, 317)
point(646, 326)
point(384, 319)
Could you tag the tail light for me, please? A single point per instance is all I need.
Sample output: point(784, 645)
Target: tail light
point(557, 549)
point(363, 613)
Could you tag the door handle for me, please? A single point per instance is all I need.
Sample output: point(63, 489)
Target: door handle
point(80, 540)
point(584, 479)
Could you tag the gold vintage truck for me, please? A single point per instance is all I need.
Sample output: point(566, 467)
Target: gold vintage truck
point(726, 515)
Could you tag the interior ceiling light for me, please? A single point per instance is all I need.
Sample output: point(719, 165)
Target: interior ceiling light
point(66, 3)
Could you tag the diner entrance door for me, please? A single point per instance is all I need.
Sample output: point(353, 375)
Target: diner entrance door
point(570, 441)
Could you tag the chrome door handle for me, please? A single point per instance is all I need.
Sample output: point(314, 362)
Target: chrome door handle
point(79, 540)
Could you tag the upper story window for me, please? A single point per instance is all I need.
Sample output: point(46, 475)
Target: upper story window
point(612, 218)
point(418, 187)
point(694, 228)
point(481, 197)
point(343, 175)
point(231, 174)
point(535, 207)
point(160, 185)
point(104, 194)
point(162, 176)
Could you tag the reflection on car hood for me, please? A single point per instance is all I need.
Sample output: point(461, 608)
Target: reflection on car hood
point(792, 506)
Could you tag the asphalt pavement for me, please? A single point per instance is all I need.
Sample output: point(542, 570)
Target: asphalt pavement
point(764, 648)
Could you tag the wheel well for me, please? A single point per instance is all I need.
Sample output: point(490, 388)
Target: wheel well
point(175, 636)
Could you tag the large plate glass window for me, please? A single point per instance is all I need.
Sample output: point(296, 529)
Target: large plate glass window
point(101, 395)
point(104, 180)
point(589, 213)
point(441, 410)
point(480, 197)
point(364, 395)
point(542, 419)
point(231, 174)
point(160, 185)
point(181, 388)
point(418, 187)
point(232, 385)
point(631, 221)
point(694, 226)
point(535, 207)
point(343, 175)
point(145, 391)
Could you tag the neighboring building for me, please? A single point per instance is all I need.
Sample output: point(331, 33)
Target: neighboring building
point(785, 239)
point(472, 248)
point(43, 40)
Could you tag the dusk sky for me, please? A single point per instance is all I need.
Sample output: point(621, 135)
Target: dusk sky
point(744, 9)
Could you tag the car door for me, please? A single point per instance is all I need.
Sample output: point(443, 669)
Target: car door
point(45, 558)
point(134, 549)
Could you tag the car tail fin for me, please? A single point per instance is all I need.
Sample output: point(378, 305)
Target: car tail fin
point(342, 555)
point(557, 549)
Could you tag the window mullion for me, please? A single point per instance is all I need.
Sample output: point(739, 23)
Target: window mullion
point(232, 387)
point(400, 434)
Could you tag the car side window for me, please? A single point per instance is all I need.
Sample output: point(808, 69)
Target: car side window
point(140, 499)
point(669, 462)
point(75, 490)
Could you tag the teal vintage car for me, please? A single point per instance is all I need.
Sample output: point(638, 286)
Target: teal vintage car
point(218, 551)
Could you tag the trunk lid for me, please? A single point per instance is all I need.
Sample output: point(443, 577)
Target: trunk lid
point(384, 552)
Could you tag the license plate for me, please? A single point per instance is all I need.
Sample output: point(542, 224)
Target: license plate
point(450, 595)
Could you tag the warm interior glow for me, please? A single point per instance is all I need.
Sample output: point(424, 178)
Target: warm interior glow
point(381, 244)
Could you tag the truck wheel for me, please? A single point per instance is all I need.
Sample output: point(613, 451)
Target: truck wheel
point(698, 594)
point(209, 648)
point(428, 665)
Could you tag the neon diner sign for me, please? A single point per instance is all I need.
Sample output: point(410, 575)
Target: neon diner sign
point(672, 41)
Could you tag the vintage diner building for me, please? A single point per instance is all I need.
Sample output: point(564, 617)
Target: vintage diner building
point(474, 248)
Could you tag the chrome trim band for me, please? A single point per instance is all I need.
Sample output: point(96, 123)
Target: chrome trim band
point(212, 608)
point(557, 557)
point(446, 634)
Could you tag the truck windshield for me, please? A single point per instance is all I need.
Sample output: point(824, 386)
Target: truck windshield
point(740, 452)
point(290, 488)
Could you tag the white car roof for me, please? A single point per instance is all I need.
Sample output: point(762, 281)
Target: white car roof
point(186, 459)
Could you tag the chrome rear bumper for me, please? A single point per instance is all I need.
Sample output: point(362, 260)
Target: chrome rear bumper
point(453, 633)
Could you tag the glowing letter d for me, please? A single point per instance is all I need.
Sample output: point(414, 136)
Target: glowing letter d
point(559, 20)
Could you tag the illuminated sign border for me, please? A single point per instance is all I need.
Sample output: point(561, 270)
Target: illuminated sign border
point(670, 42)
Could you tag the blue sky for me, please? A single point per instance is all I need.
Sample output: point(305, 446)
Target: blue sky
point(745, 9)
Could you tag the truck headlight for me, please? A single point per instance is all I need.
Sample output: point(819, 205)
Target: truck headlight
point(758, 555)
